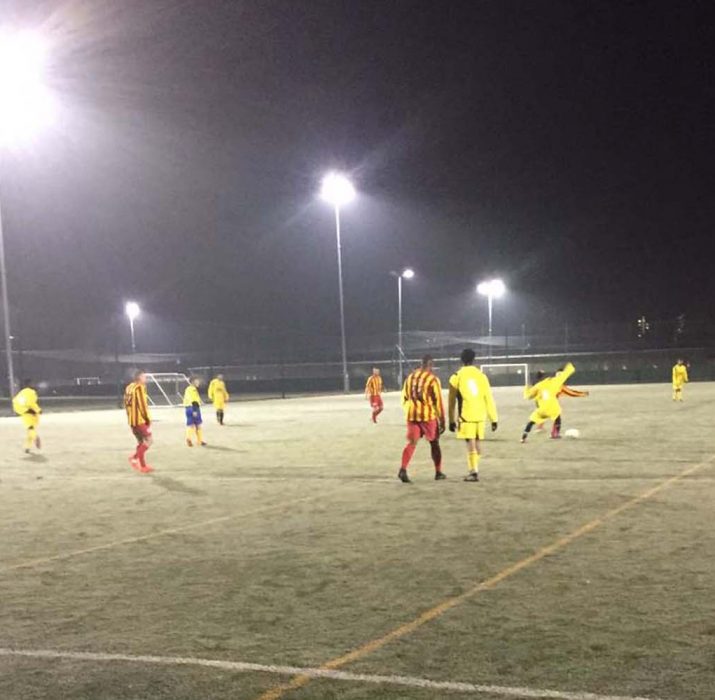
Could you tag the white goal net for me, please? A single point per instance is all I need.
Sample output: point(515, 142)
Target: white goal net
point(166, 388)
point(507, 374)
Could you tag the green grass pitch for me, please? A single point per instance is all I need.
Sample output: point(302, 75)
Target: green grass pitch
point(289, 541)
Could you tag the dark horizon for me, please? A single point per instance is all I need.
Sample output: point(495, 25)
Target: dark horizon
point(565, 146)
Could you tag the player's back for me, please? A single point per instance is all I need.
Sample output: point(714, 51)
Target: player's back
point(474, 395)
point(25, 400)
point(135, 404)
point(422, 396)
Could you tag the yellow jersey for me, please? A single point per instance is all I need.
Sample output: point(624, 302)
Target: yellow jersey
point(680, 375)
point(25, 401)
point(192, 396)
point(217, 391)
point(546, 392)
point(471, 393)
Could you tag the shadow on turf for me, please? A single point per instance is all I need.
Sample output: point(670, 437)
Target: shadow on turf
point(38, 459)
point(222, 448)
point(166, 482)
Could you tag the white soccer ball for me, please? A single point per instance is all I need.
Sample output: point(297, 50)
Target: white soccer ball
point(573, 433)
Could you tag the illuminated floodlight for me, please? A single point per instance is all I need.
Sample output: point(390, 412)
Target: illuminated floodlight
point(408, 273)
point(132, 310)
point(26, 105)
point(492, 288)
point(337, 190)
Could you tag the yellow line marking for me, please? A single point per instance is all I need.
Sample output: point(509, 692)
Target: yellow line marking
point(440, 609)
point(154, 535)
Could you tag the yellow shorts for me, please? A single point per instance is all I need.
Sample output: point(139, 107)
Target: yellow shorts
point(540, 416)
point(471, 431)
point(29, 421)
point(219, 405)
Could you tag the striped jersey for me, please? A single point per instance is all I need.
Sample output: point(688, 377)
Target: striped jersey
point(135, 403)
point(422, 397)
point(374, 385)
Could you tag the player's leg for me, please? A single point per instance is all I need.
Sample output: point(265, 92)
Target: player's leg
point(377, 408)
point(413, 437)
point(473, 456)
point(190, 430)
point(198, 424)
point(431, 433)
point(30, 435)
point(556, 429)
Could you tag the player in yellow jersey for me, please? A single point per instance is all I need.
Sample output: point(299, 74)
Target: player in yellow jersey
point(471, 404)
point(546, 394)
point(192, 406)
point(26, 405)
point(680, 379)
point(373, 393)
point(136, 405)
point(218, 395)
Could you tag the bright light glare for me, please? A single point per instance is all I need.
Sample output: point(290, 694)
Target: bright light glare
point(25, 103)
point(408, 273)
point(132, 310)
point(492, 288)
point(337, 189)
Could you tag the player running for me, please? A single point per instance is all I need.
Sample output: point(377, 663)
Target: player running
point(26, 405)
point(424, 410)
point(471, 403)
point(546, 393)
point(565, 391)
point(218, 395)
point(192, 406)
point(373, 393)
point(136, 405)
point(680, 379)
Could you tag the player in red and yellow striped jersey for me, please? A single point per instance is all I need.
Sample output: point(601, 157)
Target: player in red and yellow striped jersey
point(137, 407)
point(373, 393)
point(424, 410)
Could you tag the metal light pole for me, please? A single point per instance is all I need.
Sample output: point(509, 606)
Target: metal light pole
point(491, 289)
point(132, 311)
point(338, 190)
point(6, 315)
point(25, 107)
point(407, 274)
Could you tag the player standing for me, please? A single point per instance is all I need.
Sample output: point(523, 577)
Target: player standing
point(373, 393)
point(424, 410)
point(192, 406)
point(218, 395)
point(680, 379)
point(471, 393)
point(26, 405)
point(546, 393)
point(136, 405)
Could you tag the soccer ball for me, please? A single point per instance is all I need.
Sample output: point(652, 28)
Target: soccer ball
point(573, 433)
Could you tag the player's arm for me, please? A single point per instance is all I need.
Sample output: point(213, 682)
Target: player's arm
point(567, 372)
point(685, 374)
point(211, 393)
point(452, 401)
point(367, 387)
point(438, 402)
point(574, 393)
point(490, 404)
point(142, 405)
point(531, 392)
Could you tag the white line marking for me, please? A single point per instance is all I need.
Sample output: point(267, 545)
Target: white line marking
point(244, 666)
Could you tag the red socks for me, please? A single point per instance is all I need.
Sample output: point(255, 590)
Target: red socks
point(407, 455)
point(141, 451)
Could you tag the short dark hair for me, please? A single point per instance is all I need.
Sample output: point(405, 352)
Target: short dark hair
point(426, 359)
point(138, 373)
point(27, 382)
point(540, 374)
point(467, 357)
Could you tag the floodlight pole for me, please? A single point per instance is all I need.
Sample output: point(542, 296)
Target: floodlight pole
point(6, 315)
point(346, 376)
point(490, 304)
point(131, 330)
point(399, 327)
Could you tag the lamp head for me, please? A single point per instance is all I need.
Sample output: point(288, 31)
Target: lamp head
point(336, 189)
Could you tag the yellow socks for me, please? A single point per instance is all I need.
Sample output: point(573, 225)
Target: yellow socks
point(29, 439)
point(473, 460)
point(199, 435)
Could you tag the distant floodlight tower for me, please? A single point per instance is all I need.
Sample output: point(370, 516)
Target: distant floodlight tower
point(25, 106)
point(408, 274)
point(132, 310)
point(491, 289)
point(337, 191)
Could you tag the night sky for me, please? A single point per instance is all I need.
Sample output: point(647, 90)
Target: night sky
point(567, 146)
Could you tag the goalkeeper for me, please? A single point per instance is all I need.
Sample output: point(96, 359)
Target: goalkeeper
point(192, 406)
point(546, 393)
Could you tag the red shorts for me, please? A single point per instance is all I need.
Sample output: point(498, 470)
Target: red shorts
point(427, 429)
point(376, 402)
point(141, 432)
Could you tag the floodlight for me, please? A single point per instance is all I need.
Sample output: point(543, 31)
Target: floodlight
point(132, 310)
point(25, 103)
point(337, 190)
point(408, 273)
point(492, 288)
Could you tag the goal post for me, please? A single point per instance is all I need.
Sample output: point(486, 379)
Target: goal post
point(166, 389)
point(507, 374)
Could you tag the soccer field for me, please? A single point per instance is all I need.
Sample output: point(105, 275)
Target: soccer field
point(286, 560)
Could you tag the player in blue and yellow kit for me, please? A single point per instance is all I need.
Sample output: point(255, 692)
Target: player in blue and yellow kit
point(471, 404)
point(192, 406)
point(26, 405)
